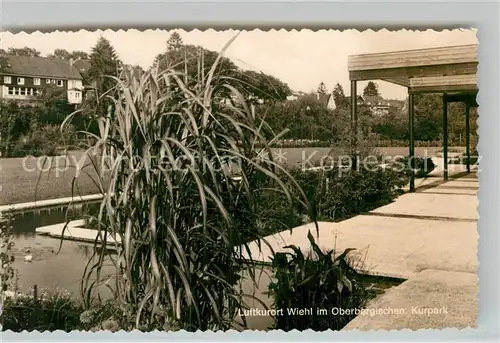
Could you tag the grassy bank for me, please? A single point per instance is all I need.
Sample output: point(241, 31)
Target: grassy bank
point(30, 179)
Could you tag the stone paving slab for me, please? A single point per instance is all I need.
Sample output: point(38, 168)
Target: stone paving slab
point(433, 205)
point(73, 232)
point(432, 299)
point(394, 247)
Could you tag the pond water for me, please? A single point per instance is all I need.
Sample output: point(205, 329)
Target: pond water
point(55, 263)
point(24, 223)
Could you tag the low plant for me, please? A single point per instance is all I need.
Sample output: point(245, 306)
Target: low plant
point(315, 282)
point(46, 140)
point(7, 272)
point(44, 311)
point(474, 159)
point(334, 194)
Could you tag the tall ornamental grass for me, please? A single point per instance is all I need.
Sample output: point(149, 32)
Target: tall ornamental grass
point(168, 146)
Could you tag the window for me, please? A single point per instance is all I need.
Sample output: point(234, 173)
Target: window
point(7, 80)
point(59, 83)
point(47, 81)
point(31, 91)
point(16, 91)
point(23, 91)
point(77, 95)
point(11, 90)
point(20, 80)
point(36, 81)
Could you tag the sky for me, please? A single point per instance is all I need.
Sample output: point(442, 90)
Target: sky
point(302, 59)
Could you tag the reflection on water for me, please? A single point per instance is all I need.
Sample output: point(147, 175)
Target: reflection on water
point(55, 263)
point(25, 223)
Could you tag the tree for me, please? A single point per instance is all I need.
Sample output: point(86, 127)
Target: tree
point(428, 122)
point(4, 64)
point(66, 55)
point(104, 64)
point(61, 54)
point(305, 118)
point(186, 57)
point(371, 89)
point(262, 86)
point(174, 43)
point(79, 55)
point(198, 61)
point(322, 88)
point(26, 51)
point(339, 96)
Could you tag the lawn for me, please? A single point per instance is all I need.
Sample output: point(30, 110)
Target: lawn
point(28, 179)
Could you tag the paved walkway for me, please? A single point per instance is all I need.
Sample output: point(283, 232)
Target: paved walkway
point(432, 299)
point(429, 237)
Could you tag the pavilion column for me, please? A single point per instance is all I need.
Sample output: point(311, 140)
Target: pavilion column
point(411, 115)
point(354, 124)
point(445, 136)
point(467, 136)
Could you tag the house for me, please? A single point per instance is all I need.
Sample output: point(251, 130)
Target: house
point(377, 104)
point(328, 100)
point(331, 102)
point(23, 78)
point(360, 100)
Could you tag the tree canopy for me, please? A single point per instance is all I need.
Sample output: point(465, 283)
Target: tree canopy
point(198, 61)
point(174, 42)
point(339, 96)
point(66, 55)
point(322, 88)
point(371, 89)
point(26, 51)
point(104, 64)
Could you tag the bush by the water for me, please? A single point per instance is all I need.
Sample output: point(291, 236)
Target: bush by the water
point(52, 310)
point(315, 281)
point(49, 311)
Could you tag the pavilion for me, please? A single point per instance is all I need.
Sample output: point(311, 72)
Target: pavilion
point(451, 71)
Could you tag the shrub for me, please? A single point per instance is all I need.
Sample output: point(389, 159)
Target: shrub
point(6, 256)
point(51, 310)
point(43, 141)
point(316, 281)
point(474, 159)
point(422, 167)
point(334, 194)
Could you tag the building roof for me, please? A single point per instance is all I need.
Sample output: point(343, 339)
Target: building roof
point(41, 67)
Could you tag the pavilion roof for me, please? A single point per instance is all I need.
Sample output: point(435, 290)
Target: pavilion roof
point(448, 69)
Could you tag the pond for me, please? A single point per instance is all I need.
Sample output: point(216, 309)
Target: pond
point(53, 265)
